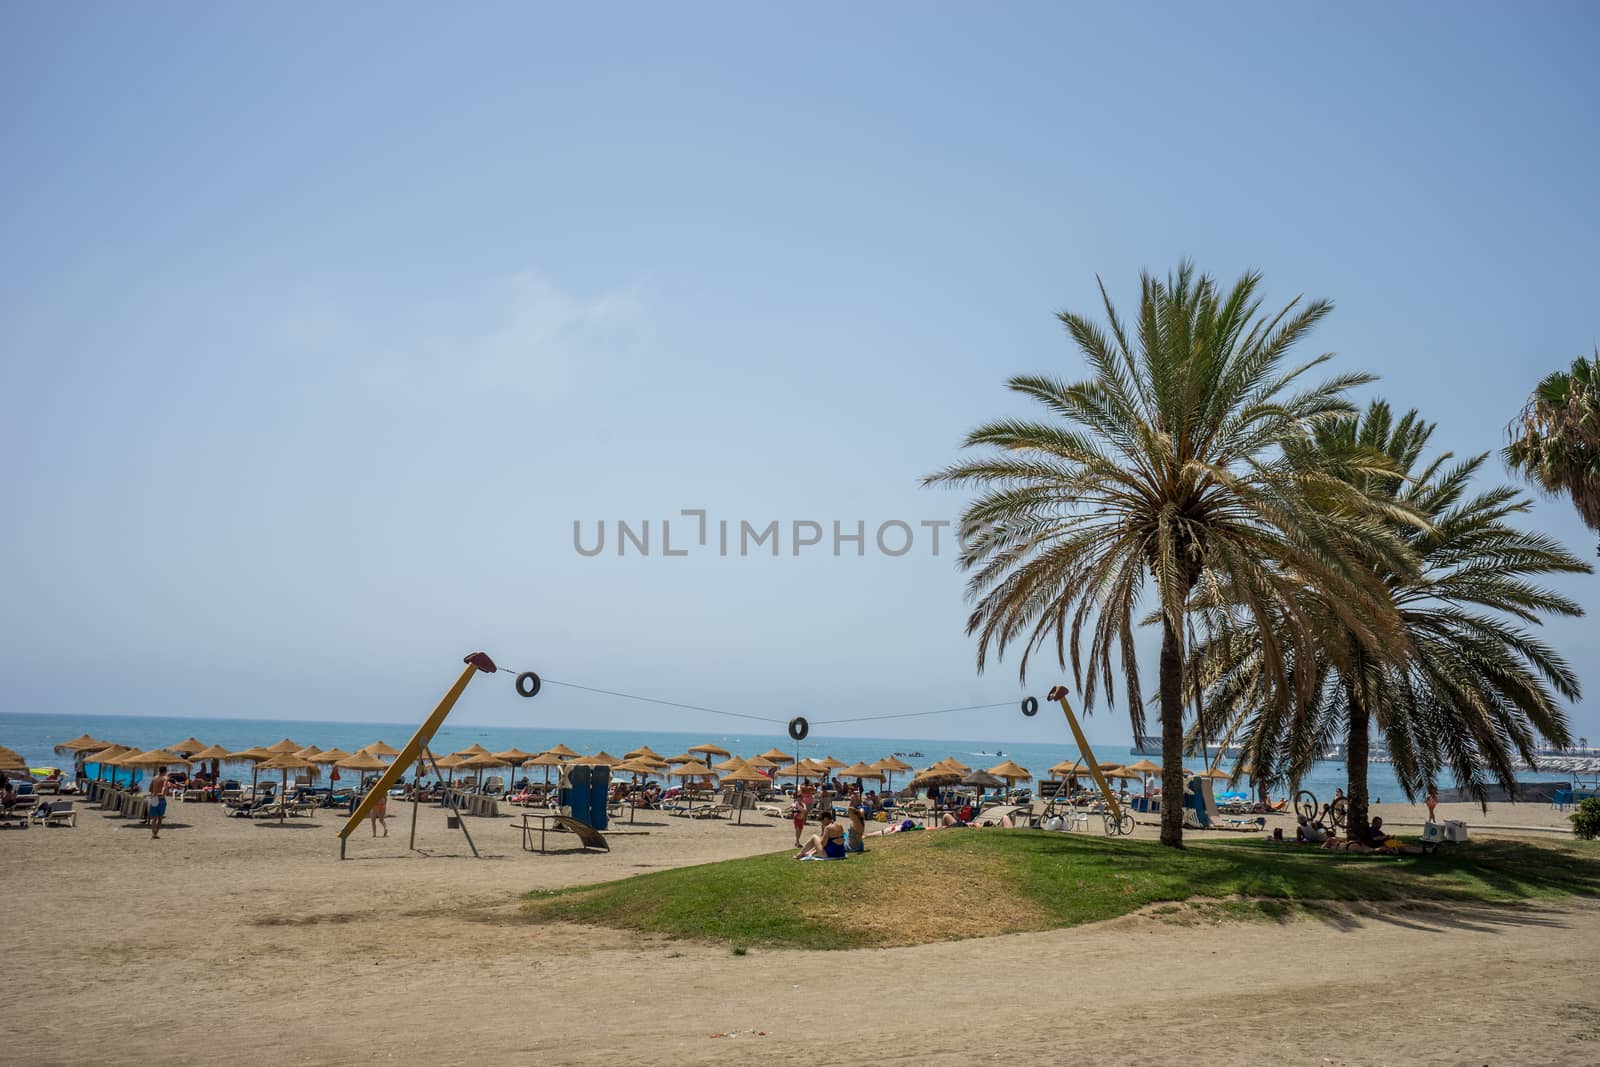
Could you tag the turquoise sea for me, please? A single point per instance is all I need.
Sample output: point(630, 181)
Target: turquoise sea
point(34, 736)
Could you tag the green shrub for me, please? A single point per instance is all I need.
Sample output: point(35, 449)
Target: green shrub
point(1586, 820)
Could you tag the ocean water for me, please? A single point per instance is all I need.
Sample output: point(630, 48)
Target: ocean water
point(35, 736)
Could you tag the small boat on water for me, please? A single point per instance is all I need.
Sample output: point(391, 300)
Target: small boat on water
point(909, 755)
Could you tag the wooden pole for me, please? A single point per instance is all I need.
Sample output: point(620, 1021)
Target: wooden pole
point(1083, 747)
point(408, 755)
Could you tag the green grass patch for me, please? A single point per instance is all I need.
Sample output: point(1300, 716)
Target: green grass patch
point(917, 888)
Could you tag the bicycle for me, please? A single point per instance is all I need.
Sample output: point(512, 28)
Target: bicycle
point(1118, 824)
point(1336, 811)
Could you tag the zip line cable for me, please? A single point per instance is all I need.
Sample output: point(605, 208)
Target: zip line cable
point(763, 718)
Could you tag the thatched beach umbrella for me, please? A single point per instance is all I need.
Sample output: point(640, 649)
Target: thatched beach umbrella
point(1144, 768)
point(102, 758)
point(255, 756)
point(11, 760)
point(777, 756)
point(710, 750)
point(1011, 772)
point(215, 754)
point(761, 763)
point(547, 760)
point(860, 771)
point(513, 757)
point(187, 747)
point(981, 780)
point(684, 757)
point(599, 759)
point(639, 766)
point(155, 757)
point(740, 776)
point(561, 750)
point(285, 762)
point(362, 762)
point(890, 767)
point(81, 743)
point(642, 750)
point(380, 748)
point(285, 747)
point(732, 763)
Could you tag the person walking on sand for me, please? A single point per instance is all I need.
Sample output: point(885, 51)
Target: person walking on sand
point(158, 801)
point(1432, 800)
point(797, 815)
point(380, 813)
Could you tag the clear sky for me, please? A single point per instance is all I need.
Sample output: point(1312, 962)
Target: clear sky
point(321, 324)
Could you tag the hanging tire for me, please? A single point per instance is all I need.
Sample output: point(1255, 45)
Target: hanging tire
point(528, 684)
point(1305, 804)
point(798, 728)
point(1030, 706)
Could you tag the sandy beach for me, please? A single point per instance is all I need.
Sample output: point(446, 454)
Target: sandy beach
point(252, 939)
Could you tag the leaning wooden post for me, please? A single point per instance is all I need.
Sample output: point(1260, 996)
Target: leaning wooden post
point(477, 661)
point(1059, 693)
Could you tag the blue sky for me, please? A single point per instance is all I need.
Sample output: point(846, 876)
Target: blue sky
point(321, 327)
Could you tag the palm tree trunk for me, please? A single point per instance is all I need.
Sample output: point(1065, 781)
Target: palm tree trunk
point(1171, 735)
point(1357, 749)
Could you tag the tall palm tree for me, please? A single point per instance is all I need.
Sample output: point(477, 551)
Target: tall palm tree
point(1183, 462)
point(1555, 444)
point(1466, 689)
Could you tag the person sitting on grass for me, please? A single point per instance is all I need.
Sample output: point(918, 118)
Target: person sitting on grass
point(827, 843)
point(1310, 833)
point(855, 838)
point(960, 817)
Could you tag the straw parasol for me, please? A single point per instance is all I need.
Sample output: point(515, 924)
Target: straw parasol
point(732, 763)
point(639, 765)
point(102, 757)
point(777, 756)
point(82, 743)
point(739, 777)
point(545, 760)
point(710, 750)
point(473, 750)
point(954, 764)
point(829, 763)
point(890, 766)
point(480, 762)
point(804, 769)
point(379, 748)
point(859, 771)
point(255, 755)
point(155, 757)
point(187, 747)
point(211, 752)
point(761, 763)
point(642, 750)
point(936, 776)
point(599, 759)
point(684, 757)
point(1213, 773)
point(1011, 772)
point(284, 747)
point(692, 769)
point(361, 762)
point(1144, 768)
point(11, 760)
point(981, 780)
point(561, 750)
point(285, 762)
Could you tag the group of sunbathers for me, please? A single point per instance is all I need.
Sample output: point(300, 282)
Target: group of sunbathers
point(1376, 839)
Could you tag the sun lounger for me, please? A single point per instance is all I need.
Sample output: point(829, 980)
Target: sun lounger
point(61, 813)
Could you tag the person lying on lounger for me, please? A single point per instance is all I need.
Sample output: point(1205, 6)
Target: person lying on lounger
point(827, 843)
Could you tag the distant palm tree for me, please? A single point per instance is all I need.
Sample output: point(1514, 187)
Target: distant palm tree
point(1555, 444)
point(1467, 688)
point(1184, 461)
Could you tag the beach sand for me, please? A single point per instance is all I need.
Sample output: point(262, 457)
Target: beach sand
point(251, 941)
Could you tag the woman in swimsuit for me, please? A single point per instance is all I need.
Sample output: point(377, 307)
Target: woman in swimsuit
point(855, 839)
point(826, 843)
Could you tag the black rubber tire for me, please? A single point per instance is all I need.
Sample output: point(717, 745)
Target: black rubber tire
point(1305, 803)
point(1030, 706)
point(1339, 812)
point(798, 728)
point(528, 684)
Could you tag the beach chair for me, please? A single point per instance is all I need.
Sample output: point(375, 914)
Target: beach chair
point(61, 813)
